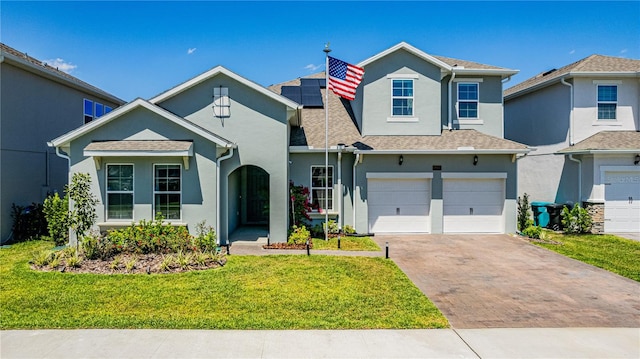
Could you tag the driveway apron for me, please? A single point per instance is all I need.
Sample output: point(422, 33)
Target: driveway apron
point(500, 281)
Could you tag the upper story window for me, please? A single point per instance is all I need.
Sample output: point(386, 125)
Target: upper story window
point(467, 100)
point(93, 110)
point(402, 97)
point(119, 191)
point(607, 102)
point(167, 191)
point(221, 104)
point(319, 187)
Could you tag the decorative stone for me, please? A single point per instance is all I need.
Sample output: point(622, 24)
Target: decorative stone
point(596, 212)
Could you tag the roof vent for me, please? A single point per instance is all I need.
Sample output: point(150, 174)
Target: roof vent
point(548, 72)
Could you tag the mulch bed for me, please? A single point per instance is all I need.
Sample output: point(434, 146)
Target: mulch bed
point(287, 246)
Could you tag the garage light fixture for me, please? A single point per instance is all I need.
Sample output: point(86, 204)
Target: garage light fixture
point(400, 160)
point(475, 160)
point(637, 160)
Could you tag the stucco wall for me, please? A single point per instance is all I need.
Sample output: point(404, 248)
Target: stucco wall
point(489, 106)
point(34, 110)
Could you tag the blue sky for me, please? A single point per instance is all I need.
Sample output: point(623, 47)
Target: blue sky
point(140, 49)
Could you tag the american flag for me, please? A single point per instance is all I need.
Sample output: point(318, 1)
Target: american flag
point(344, 78)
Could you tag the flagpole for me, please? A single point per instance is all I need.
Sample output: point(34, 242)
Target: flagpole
point(326, 50)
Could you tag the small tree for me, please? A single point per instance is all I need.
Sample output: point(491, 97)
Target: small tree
point(83, 215)
point(524, 210)
point(576, 220)
point(300, 205)
point(56, 211)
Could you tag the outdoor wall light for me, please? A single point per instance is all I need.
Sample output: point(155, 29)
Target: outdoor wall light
point(475, 160)
point(400, 160)
point(637, 160)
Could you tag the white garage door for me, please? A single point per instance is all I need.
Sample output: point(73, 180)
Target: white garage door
point(399, 205)
point(473, 205)
point(622, 202)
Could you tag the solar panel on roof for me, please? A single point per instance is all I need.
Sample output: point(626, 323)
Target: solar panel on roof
point(293, 93)
point(309, 82)
point(311, 96)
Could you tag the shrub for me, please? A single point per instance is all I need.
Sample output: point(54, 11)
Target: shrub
point(524, 213)
point(332, 227)
point(576, 220)
point(205, 239)
point(42, 258)
point(151, 237)
point(56, 211)
point(347, 229)
point(95, 246)
point(28, 222)
point(299, 235)
point(300, 206)
point(533, 232)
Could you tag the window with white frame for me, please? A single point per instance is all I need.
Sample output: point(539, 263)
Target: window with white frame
point(607, 102)
point(167, 191)
point(92, 110)
point(402, 97)
point(119, 191)
point(319, 187)
point(221, 103)
point(467, 100)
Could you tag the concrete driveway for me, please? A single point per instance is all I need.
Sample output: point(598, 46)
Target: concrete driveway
point(500, 281)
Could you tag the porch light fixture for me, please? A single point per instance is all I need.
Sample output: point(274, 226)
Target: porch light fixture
point(475, 160)
point(400, 160)
point(637, 160)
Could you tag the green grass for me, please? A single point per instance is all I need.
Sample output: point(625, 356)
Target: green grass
point(615, 254)
point(250, 292)
point(346, 243)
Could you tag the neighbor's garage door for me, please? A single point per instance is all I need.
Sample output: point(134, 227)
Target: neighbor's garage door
point(473, 205)
point(622, 202)
point(399, 205)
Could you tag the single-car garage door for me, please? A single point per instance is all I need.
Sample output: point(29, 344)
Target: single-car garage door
point(622, 202)
point(473, 205)
point(399, 205)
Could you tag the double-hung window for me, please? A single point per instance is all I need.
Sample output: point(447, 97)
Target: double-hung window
point(467, 100)
point(119, 191)
point(92, 110)
point(402, 97)
point(319, 187)
point(607, 102)
point(167, 190)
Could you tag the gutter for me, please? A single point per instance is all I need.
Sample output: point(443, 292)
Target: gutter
point(504, 81)
point(355, 163)
point(450, 102)
point(579, 178)
point(444, 152)
point(562, 80)
point(218, 161)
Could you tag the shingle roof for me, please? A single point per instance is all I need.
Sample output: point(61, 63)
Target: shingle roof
point(593, 63)
point(607, 141)
point(343, 129)
point(5, 49)
point(135, 145)
point(467, 64)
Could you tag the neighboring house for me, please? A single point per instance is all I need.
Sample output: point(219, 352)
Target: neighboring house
point(38, 102)
point(419, 150)
point(583, 119)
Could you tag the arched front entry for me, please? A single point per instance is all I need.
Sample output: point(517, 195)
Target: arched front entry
point(248, 203)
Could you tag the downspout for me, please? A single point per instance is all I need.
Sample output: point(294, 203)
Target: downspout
point(449, 114)
point(339, 188)
point(353, 189)
point(570, 110)
point(504, 81)
point(72, 237)
point(579, 178)
point(218, 161)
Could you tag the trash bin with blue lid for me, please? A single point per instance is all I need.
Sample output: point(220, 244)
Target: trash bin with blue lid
point(555, 216)
point(540, 214)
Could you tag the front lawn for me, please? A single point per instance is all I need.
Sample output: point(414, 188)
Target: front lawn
point(346, 243)
point(249, 292)
point(615, 254)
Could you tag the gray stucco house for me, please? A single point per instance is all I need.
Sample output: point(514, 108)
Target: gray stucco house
point(419, 150)
point(583, 121)
point(38, 102)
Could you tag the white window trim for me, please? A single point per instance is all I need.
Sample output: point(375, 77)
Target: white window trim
point(605, 121)
point(401, 118)
point(107, 192)
point(403, 76)
point(153, 176)
point(221, 103)
point(311, 187)
point(467, 120)
point(468, 80)
point(93, 111)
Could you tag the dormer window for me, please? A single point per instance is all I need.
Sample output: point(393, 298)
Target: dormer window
point(221, 103)
point(607, 102)
point(467, 100)
point(402, 97)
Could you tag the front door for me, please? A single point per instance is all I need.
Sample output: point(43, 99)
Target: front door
point(257, 196)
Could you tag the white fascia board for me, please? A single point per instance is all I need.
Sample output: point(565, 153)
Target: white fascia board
point(612, 74)
point(473, 175)
point(222, 70)
point(106, 153)
point(602, 152)
point(490, 72)
point(404, 46)
point(442, 152)
point(80, 85)
point(306, 149)
point(74, 134)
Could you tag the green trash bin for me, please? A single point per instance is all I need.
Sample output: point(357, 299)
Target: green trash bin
point(540, 214)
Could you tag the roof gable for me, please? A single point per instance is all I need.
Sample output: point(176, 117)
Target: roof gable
point(214, 72)
point(135, 104)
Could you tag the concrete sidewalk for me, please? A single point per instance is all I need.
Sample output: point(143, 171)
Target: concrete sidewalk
point(433, 343)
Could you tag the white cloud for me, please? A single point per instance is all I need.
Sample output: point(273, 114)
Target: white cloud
point(572, 52)
point(623, 51)
point(61, 65)
point(312, 67)
point(191, 50)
